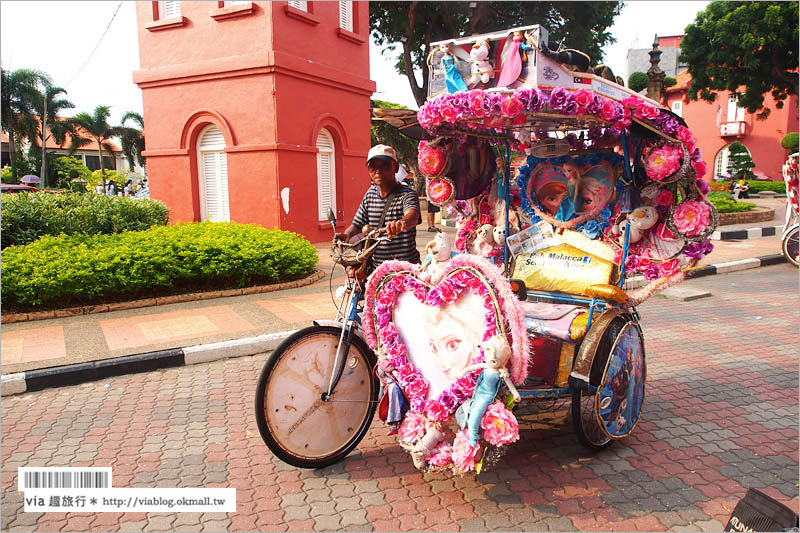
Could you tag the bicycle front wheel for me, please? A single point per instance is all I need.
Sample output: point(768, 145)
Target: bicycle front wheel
point(791, 245)
point(297, 422)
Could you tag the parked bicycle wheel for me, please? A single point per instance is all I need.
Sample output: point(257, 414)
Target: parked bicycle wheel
point(790, 246)
point(297, 422)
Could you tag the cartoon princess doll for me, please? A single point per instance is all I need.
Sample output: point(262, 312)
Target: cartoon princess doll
point(512, 66)
point(453, 79)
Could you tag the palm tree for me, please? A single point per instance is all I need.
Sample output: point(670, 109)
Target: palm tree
point(132, 139)
point(18, 93)
point(48, 106)
point(98, 128)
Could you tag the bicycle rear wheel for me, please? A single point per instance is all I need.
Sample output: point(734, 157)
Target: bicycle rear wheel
point(790, 246)
point(298, 424)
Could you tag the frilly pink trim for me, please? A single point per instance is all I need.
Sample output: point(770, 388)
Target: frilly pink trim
point(510, 306)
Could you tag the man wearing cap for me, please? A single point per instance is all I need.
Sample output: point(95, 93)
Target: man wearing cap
point(400, 202)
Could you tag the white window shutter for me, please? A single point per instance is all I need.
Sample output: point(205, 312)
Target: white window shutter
point(297, 4)
point(213, 175)
point(677, 107)
point(326, 174)
point(168, 9)
point(346, 15)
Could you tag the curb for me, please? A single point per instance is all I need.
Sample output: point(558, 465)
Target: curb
point(744, 234)
point(60, 376)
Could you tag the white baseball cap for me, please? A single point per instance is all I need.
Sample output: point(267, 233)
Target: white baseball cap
point(383, 151)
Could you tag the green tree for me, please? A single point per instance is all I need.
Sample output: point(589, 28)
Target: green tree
point(48, 104)
point(18, 93)
point(97, 127)
point(414, 25)
point(65, 169)
point(739, 161)
point(789, 142)
point(132, 138)
point(669, 81)
point(743, 44)
point(637, 81)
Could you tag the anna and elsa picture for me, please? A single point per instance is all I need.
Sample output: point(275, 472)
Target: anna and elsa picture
point(621, 393)
point(567, 189)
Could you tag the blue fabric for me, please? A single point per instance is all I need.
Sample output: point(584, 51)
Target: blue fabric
point(398, 405)
point(452, 77)
point(485, 391)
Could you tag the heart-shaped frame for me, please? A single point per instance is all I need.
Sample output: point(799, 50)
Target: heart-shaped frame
point(467, 279)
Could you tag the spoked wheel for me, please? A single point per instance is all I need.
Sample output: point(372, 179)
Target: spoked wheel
point(299, 424)
point(585, 421)
point(791, 246)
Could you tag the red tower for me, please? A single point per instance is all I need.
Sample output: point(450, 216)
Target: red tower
point(256, 112)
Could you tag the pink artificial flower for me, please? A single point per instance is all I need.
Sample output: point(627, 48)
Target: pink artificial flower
point(412, 428)
point(499, 426)
point(385, 364)
point(448, 112)
point(669, 268)
point(406, 373)
point(691, 218)
point(607, 111)
point(664, 198)
point(436, 411)
point(583, 98)
point(441, 455)
point(700, 168)
point(512, 106)
point(649, 112)
point(663, 162)
point(464, 454)
point(417, 388)
point(684, 134)
point(439, 191)
point(476, 103)
point(431, 160)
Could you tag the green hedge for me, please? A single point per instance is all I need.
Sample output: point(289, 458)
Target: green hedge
point(725, 203)
point(26, 217)
point(762, 185)
point(82, 269)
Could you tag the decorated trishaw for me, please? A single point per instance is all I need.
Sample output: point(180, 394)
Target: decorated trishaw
point(535, 298)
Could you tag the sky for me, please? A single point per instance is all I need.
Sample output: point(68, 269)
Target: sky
point(60, 38)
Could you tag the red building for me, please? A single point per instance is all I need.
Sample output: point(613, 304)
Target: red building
point(256, 112)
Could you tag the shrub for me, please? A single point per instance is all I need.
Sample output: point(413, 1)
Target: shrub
point(637, 81)
point(26, 217)
point(725, 203)
point(669, 81)
point(740, 162)
point(790, 142)
point(762, 185)
point(84, 269)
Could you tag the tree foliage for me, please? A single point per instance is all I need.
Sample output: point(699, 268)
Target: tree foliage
point(789, 142)
point(739, 161)
point(412, 26)
point(132, 138)
point(637, 81)
point(19, 90)
point(97, 127)
point(743, 44)
point(382, 133)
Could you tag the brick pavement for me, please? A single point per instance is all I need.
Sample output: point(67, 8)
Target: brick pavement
point(720, 416)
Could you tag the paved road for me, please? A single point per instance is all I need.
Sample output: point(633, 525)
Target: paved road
point(721, 415)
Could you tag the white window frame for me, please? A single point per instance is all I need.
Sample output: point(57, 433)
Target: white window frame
point(722, 161)
point(298, 4)
point(217, 150)
point(169, 9)
point(326, 154)
point(735, 113)
point(677, 107)
point(346, 15)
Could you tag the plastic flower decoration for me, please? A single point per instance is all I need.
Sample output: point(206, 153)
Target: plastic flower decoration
point(440, 191)
point(431, 159)
point(464, 454)
point(662, 162)
point(412, 428)
point(691, 218)
point(499, 426)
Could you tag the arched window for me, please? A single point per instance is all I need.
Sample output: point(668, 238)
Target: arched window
point(722, 163)
point(326, 174)
point(212, 173)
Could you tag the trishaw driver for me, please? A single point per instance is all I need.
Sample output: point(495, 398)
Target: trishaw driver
point(400, 202)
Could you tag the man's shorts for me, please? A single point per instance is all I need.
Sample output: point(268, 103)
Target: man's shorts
point(432, 208)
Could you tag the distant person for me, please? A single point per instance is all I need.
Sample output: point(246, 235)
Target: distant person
point(99, 188)
point(744, 189)
point(111, 189)
point(128, 190)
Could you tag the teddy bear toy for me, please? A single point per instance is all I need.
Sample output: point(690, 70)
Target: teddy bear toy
point(438, 254)
point(640, 220)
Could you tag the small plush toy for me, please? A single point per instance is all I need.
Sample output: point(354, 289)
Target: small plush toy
point(640, 220)
point(438, 254)
point(481, 68)
point(496, 352)
point(484, 241)
point(425, 445)
point(499, 235)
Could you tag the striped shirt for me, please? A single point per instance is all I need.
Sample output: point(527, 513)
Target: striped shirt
point(404, 245)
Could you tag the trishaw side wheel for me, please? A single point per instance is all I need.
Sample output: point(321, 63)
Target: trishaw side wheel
point(790, 246)
point(297, 422)
point(584, 420)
